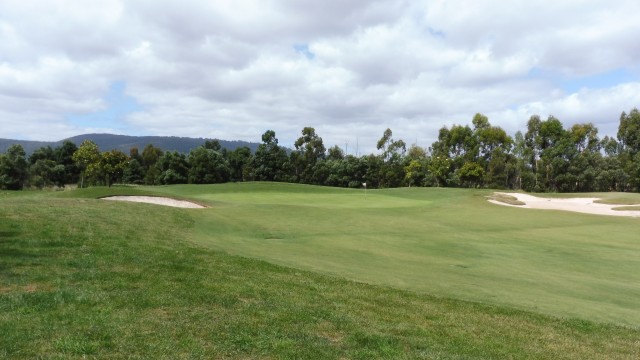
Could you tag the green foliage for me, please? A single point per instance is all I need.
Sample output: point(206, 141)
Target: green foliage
point(471, 174)
point(310, 150)
point(133, 173)
point(172, 168)
point(64, 157)
point(45, 173)
point(239, 163)
point(439, 167)
point(391, 170)
point(546, 158)
point(414, 173)
point(86, 158)
point(207, 166)
point(112, 165)
point(150, 156)
point(270, 162)
point(13, 168)
point(629, 131)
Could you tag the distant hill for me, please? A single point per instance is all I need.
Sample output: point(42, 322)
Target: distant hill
point(123, 143)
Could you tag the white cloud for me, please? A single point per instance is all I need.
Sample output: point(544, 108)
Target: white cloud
point(229, 69)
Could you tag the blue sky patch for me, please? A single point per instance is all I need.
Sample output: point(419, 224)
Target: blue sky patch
point(304, 50)
point(574, 84)
point(119, 105)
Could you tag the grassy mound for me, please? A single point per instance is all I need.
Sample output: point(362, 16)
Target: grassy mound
point(81, 277)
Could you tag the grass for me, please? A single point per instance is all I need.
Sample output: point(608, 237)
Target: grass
point(445, 242)
point(618, 198)
point(507, 199)
point(627, 208)
point(80, 277)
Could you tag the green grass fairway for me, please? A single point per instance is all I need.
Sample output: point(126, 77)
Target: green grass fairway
point(446, 242)
point(87, 278)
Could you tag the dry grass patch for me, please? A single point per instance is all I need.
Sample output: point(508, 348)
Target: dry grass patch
point(507, 199)
point(627, 208)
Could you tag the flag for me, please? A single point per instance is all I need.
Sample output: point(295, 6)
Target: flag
point(364, 184)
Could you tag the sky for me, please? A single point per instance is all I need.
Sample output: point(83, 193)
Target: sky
point(232, 69)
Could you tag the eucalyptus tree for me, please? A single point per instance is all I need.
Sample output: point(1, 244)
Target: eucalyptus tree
point(416, 166)
point(134, 172)
point(239, 163)
point(43, 169)
point(150, 156)
point(64, 156)
point(207, 166)
point(13, 168)
point(270, 162)
point(87, 158)
point(392, 167)
point(629, 140)
point(587, 160)
point(172, 168)
point(309, 151)
point(111, 166)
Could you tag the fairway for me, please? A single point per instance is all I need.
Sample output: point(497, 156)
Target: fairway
point(386, 276)
point(445, 242)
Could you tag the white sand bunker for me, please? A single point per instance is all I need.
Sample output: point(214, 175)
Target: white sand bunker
point(581, 205)
point(157, 200)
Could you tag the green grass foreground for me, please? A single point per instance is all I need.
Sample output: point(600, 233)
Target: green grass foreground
point(81, 277)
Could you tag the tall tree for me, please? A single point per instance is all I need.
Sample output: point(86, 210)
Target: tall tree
point(150, 156)
point(64, 157)
point(87, 158)
point(172, 168)
point(310, 150)
point(133, 172)
point(416, 166)
point(629, 140)
point(629, 131)
point(392, 171)
point(207, 166)
point(239, 161)
point(270, 160)
point(13, 168)
point(111, 166)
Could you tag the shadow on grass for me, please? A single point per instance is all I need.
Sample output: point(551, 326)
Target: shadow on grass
point(11, 251)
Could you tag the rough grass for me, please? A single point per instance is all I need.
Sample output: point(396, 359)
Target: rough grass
point(627, 208)
point(507, 199)
point(84, 278)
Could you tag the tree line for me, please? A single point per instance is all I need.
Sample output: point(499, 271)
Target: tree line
point(547, 157)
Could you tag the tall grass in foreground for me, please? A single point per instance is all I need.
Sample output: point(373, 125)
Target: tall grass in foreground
point(85, 278)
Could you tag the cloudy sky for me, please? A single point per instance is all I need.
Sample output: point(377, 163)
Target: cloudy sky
point(232, 69)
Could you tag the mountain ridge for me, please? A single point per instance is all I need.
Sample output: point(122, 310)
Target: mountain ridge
point(124, 143)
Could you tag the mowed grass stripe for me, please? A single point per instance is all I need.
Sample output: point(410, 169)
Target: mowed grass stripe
point(88, 278)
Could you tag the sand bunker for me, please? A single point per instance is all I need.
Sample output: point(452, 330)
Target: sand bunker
point(581, 205)
point(157, 200)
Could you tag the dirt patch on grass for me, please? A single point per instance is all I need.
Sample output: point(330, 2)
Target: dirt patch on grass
point(28, 288)
point(157, 200)
point(581, 205)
